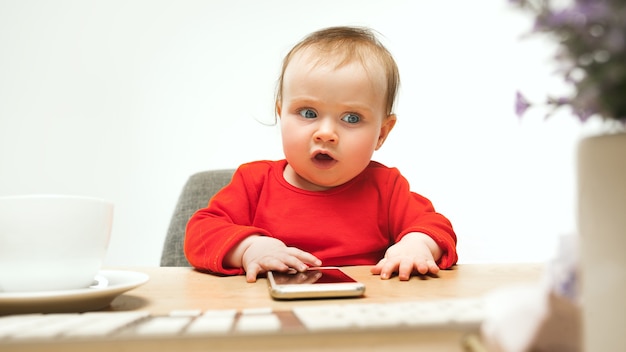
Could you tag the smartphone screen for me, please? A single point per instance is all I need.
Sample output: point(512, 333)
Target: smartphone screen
point(314, 283)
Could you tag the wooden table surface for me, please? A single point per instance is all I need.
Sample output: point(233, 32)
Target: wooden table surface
point(173, 288)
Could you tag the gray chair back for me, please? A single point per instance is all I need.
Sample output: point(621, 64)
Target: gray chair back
point(196, 193)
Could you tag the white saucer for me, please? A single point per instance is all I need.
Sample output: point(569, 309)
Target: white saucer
point(111, 284)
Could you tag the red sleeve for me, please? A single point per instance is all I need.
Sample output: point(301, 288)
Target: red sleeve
point(213, 231)
point(411, 212)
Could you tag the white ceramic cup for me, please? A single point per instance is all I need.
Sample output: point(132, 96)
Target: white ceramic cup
point(52, 242)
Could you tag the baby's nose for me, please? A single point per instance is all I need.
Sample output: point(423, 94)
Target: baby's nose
point(326, 132)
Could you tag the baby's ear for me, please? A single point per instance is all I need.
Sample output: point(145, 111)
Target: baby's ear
point(386, 127)
point(277, 109)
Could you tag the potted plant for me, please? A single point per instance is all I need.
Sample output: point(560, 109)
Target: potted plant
point(590, 54)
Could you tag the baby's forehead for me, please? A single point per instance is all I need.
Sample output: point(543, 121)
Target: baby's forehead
point(314, 57)
point(336, 56)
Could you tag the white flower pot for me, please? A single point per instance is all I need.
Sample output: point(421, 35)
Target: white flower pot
point(602, 229)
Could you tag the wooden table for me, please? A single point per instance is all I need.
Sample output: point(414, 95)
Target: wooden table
point(184, 288)
point(172, 288)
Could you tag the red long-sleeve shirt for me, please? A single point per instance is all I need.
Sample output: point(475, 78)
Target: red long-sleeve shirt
point(352, 224)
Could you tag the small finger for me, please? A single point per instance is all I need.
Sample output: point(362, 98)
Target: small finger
point(388, 268)
point(405, 269)
point(377, 268)
point(433, 268)
point(296, 264)
point(305, 257)
point(427, 266)
point(252, 273)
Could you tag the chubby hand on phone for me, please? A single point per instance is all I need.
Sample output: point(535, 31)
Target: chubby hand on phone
point(260, 254)
point(414, 253)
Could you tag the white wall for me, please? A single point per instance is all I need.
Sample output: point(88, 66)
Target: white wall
point(125, 99)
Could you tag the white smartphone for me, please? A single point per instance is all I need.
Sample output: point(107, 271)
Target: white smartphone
point(317, 282)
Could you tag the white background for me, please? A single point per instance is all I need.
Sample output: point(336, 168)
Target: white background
point(124, 100)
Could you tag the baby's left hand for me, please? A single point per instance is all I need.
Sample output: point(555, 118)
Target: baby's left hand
point(415, 253)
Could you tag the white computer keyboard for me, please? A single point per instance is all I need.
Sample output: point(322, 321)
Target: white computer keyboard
point(443, 314)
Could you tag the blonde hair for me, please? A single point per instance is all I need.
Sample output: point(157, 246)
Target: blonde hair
point(345, 45)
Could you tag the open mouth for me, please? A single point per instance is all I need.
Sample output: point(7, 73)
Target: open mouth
point(323, 160)
point(323, 157)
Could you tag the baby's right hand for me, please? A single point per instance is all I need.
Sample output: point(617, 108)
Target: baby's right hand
point(263, 253)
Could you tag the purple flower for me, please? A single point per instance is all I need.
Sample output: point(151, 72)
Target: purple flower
point(583, 114)
point(590, 38)
point(521, 104)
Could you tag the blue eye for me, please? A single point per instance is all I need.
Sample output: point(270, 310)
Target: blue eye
point(351, 118)
point(308, 113)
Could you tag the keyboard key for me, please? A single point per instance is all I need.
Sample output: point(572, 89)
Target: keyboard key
point(12, 324)
point(258, 323)
point(224, 313)
point(50, 326)
point(101, 324)
point(163, 326)
point(325, 317)
point(213, 321)
point(211, 325)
